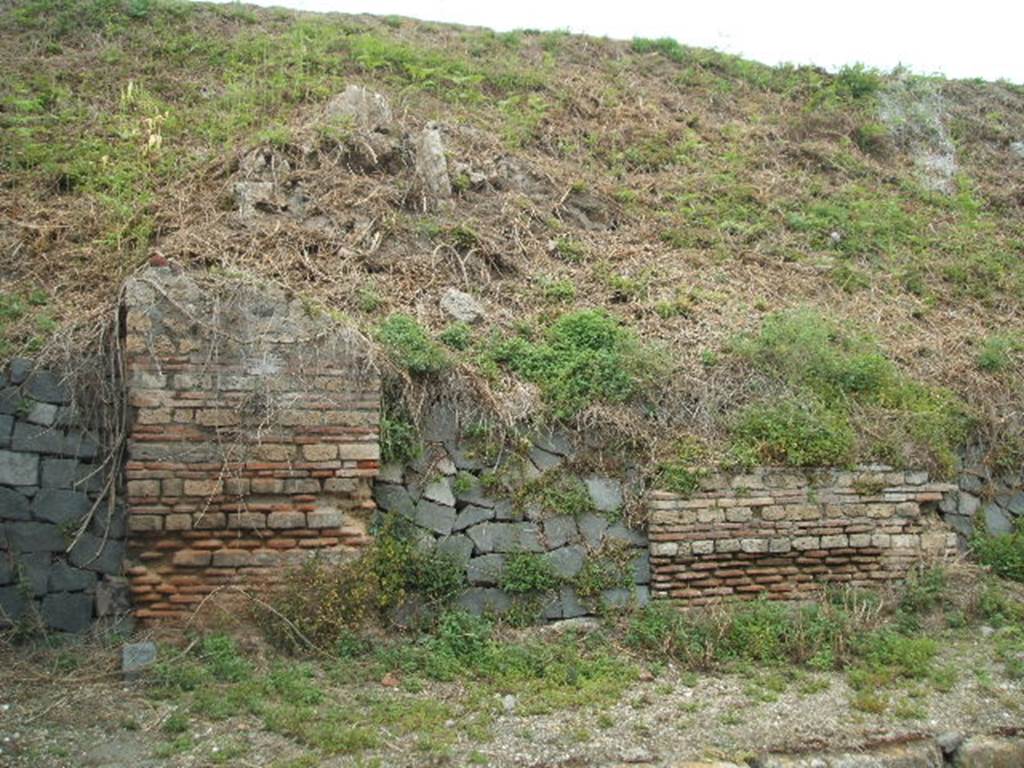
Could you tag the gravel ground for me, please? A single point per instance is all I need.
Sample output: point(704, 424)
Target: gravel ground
point(82, 718)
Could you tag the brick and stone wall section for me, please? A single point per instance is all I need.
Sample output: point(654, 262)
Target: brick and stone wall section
point(784, 534)
point(61, 545)
point(253, 446)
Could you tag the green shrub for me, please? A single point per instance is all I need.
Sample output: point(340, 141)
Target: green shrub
point(322, 602)
point(835, 383)
point(458, 336)
point(528, 572)
point(584, 357)
point(570, 250)
point(558, 290)
point(857, 82)
point(998, 352)
point(886, 655)
point(924, 591)
point(464, 638)
point(871, 137)
point(220, 655)
point(800, 434)
point(997, 607)
point(409, 346)
point(683, 471)
point(666, 46)
point(1003, 553)
point(610, 567)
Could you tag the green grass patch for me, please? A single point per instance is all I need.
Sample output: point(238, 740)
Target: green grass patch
point(837, 387)
point(999, 352)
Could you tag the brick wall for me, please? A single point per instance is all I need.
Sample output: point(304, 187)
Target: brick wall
point(254, 440)
point(784, 534)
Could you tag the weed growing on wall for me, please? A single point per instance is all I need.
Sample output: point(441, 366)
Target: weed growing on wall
point(528, 573)
point(556, 493)
point(682, 470)
point(399, 437)
point(611, 567)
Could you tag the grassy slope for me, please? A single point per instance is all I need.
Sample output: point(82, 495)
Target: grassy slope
point(724, 181)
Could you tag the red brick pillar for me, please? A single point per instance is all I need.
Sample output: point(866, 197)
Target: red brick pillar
point(253, 440)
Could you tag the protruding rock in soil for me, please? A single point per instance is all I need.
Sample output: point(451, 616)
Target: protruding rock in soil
point(363, 108)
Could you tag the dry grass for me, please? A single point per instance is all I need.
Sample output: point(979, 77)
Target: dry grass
point(738, 147)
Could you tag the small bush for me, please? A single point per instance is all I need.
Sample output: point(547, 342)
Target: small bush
point(802, 434)
point(924, 591)
point(458, 336)
point(526, 573)
point(998, 352)
point(399, 438)
point(871, 138)
point(682, 472)
point(1004, 553)
point(570, 250)
point(558, 290)
point(610, 567)
point(584, 357)
point(409, 346)
point(836, 383)
point(323, 602)
point(857, 82)
point(887, 655)
point(821, 634)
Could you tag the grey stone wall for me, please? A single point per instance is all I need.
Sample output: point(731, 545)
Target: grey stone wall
point(485, 506)
point(983, 497)
point(49, 483)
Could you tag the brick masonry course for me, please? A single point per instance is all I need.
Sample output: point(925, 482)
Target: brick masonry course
point(784, 534)
point(253, 446)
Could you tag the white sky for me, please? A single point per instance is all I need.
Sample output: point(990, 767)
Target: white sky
point(983, 38)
